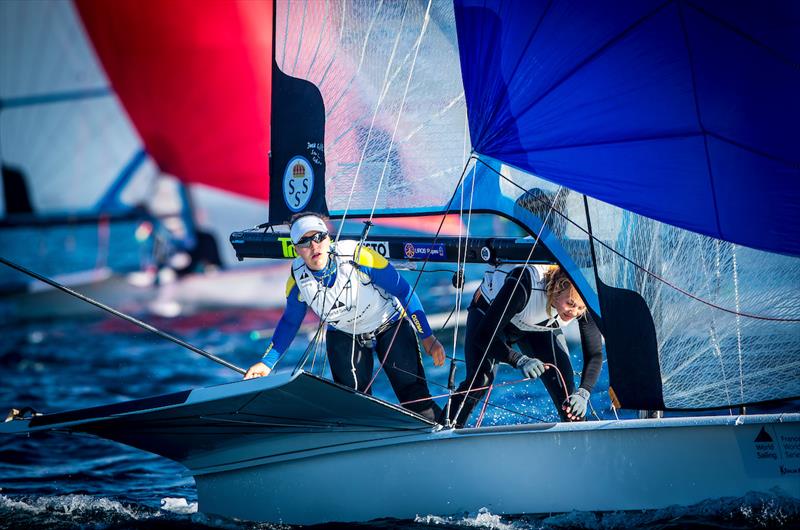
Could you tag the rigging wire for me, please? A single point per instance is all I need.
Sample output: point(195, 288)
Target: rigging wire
point(451, 377)
point(490, 404)
point(508, 302)
point(637, 265)
point(123, 316)
point(383, 93)
point(424, 264)
point(368, 223)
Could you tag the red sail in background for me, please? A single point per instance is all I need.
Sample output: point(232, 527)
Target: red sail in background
point(195, 79)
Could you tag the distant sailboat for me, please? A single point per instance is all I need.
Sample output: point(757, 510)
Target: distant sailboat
point(93, 216)
point(612, 137)
point(67, 153)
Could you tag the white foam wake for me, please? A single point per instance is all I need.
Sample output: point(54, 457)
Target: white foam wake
point(483, 519)
point(178, 505)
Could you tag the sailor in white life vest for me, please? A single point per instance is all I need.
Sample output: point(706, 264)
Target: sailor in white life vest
point(363, 300)
point(526, 306)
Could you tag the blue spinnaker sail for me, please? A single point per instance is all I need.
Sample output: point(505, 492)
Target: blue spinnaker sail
point(684, 112)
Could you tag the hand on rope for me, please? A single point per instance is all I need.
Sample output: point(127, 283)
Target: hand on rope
point(435, 349)
point(257, 370)
point(531, 368)
point(576, 404)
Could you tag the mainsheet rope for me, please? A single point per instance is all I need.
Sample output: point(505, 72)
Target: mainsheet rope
point(424, 264)
point(635, 264)
point(508, 302)
point(459, 292)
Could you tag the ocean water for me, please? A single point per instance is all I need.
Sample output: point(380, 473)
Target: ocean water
point(77, 481)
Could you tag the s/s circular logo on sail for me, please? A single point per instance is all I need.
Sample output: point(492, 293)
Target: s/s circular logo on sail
point(298, 183)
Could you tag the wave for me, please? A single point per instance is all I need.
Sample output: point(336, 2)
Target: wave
point(80, 511)
point(754, 510)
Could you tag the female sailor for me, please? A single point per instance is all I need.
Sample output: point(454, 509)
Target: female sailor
point(526, 306)
point(363, 300)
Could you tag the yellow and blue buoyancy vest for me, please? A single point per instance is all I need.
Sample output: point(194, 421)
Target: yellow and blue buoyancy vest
point(353, 304)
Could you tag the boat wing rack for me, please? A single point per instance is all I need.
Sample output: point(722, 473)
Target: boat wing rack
point(256, 243)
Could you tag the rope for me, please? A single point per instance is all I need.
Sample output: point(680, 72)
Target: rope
point(489, 387)
point(459, 293)
point(640, 267)
point(516, 284)
point(384, 91)
point(424, 264)
point(124, 316)
point(483, 409)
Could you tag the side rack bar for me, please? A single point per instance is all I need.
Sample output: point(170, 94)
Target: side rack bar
point(256, 243)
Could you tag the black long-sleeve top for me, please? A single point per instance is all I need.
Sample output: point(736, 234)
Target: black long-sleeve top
point(499, 317)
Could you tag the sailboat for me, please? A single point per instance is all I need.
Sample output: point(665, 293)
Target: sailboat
point(66, 152)
point(648, 149)
point(96, 197)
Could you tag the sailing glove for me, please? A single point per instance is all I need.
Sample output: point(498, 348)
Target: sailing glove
point(531, 368)
point(577, 403)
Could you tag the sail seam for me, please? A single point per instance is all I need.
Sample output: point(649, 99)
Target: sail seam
point(734, 29)
point(645, 269)
point(357, 71)
point(590, 58)
point(417, 46)
point(699, 117)
point(335, 52)
point(319, 40)
point(300, 38)
point(496, 108)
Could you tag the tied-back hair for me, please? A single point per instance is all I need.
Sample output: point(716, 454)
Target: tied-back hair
point(557, 282)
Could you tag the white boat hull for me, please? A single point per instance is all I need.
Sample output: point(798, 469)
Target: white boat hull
point(597, 466)
point(301, 450)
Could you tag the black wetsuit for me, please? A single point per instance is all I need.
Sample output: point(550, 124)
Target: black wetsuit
point(549, 347)
point(404, 369)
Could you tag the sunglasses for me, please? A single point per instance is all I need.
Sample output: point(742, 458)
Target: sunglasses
point(305, 242)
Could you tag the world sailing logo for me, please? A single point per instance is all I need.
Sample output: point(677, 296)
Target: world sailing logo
point(765, 446)
point(298, 183)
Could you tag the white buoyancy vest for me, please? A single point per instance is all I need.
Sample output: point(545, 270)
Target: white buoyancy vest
point(533, 316)
point(353, 304)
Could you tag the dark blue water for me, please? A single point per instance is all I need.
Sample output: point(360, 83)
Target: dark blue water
point(76, 481)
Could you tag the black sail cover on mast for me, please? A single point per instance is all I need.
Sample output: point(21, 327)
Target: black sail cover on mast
point(297, 153)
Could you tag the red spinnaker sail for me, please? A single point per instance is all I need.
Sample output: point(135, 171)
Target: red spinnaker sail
point(195, 78)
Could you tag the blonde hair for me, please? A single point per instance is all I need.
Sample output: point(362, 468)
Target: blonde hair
point(557, 282)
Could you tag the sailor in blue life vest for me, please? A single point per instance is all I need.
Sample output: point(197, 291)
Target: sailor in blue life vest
point(363, 300)
point(526, 306)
